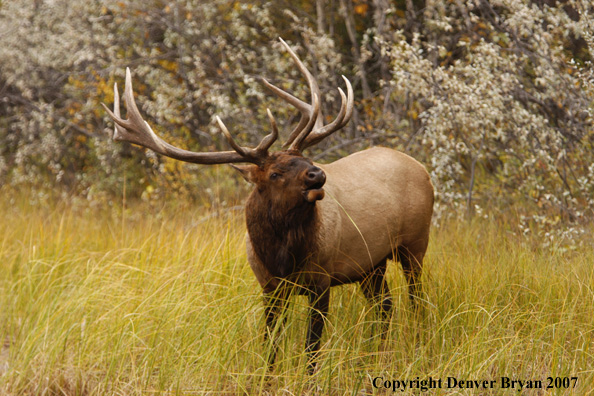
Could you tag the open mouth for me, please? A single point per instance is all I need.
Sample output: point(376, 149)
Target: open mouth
point(315, 192)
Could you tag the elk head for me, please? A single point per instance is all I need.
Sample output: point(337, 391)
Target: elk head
point(286, 177)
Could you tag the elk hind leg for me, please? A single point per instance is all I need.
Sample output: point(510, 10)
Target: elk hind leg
point(412, 264)
point(376, 290)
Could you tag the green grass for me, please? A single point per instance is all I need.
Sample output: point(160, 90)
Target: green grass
point(141, 301)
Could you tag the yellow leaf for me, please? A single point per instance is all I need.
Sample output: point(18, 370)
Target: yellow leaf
point(361, 9)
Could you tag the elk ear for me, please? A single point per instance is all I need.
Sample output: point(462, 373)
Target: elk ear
point(248, 172)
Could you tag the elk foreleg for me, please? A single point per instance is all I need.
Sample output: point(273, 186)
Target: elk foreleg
point(319, 301)
point(274, 304)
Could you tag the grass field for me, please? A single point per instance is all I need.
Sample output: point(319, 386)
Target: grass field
point(142, 301)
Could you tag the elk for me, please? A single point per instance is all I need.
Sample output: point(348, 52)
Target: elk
point(312, 226)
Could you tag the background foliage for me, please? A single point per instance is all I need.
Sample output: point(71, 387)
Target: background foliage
point(495, 97)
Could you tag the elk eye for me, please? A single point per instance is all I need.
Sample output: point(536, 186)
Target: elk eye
point(274, 176)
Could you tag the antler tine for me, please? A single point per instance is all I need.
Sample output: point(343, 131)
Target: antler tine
point(296, 102)
point(326, 130)
point(116, 110)
point(259, 152)
point(350, 103)
point(118, 131)
point(311, 81)
point(297, 143)
point(135, 129)
point(134, 115)
point(305, 108)
point(271, 138)
point(343, 117)
point(314, 90)
point(230, 139)
point(310, 129)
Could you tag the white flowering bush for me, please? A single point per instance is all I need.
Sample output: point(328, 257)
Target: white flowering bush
point(503, 110)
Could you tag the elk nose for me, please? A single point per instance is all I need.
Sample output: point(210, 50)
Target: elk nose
point(315, 177)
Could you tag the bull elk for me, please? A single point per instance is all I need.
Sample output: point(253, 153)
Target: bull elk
point(315, 226)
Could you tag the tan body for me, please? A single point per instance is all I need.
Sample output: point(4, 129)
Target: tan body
point(376, 201)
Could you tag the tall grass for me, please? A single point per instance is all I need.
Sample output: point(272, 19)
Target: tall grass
point(137, 300)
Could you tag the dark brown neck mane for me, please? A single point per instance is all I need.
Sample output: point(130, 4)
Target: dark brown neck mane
point(282, 239)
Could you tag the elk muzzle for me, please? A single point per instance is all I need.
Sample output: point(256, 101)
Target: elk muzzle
point(314, 181)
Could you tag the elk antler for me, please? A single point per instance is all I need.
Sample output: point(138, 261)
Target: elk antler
point(135, 129)
point(311, 129)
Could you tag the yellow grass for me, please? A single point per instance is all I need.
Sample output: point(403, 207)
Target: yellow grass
point(141, 301)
